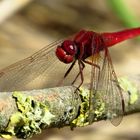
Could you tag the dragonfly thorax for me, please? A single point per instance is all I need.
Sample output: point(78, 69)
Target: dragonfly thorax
point(66, 51)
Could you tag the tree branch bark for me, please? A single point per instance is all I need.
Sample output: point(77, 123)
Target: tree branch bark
point(25, 113)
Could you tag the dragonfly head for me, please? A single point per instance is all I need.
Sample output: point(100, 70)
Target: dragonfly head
point(66, 51)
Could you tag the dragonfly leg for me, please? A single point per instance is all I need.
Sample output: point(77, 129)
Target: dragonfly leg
point(81, 67)
point(90, 63)
point(68, 71)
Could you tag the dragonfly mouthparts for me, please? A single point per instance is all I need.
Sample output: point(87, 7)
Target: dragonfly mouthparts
point(66, 51)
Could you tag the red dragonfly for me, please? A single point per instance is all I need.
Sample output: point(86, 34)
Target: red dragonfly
point(82, 58)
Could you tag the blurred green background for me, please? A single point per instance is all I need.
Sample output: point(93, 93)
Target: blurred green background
point(28, 25)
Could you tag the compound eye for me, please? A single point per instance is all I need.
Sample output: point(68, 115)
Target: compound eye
point(69, 47)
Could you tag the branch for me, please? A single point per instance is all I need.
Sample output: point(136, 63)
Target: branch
point(25, 113)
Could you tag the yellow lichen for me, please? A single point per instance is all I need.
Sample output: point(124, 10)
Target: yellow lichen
point(30, 117)
point(129, 87)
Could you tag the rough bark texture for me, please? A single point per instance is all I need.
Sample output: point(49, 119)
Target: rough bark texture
point(26, 113)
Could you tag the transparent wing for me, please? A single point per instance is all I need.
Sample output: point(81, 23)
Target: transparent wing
point(94, 78)
point(42, 69)
point(106, 89)
point(111, 92)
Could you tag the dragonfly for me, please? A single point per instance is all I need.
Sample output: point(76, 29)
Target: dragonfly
point(76, 60)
